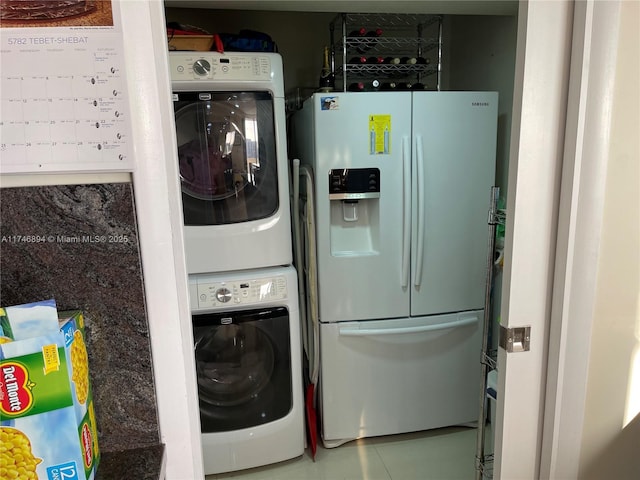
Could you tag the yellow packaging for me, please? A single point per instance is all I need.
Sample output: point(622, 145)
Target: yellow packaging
point(47, 419)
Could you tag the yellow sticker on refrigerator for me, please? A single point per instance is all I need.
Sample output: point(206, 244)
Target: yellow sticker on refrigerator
point(379, 134)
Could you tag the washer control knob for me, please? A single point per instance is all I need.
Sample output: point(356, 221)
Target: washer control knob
point(202, 67)
point(223, 295)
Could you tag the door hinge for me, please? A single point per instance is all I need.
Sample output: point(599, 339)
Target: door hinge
point(515, 339)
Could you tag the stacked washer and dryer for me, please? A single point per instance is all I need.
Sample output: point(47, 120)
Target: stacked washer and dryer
point(230, 127)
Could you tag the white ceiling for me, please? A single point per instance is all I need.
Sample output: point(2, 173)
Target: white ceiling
point(450, 7)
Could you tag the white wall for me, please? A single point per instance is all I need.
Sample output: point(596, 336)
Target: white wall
point(481, 53)
point(609, 442)
point(159, 213)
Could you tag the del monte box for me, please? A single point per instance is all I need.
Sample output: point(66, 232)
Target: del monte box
point(47, 420)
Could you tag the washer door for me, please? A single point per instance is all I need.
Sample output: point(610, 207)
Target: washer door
point(227, 156)
point(243, 366)
point(234, 363)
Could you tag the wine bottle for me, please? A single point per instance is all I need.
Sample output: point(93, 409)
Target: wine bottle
point(327, 78)
point(408, 60)
point(356, 87)
point(404, 86)
point(392, 60)
point(389, 86)
point(371, 40)
point(358, 33)
point(374, 33)
point(423, 61)
point(374, 85)
point(358, 60)
point(375, 60)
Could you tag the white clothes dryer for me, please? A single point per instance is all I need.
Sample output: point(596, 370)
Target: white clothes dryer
point(231, 136)
point(246, 330)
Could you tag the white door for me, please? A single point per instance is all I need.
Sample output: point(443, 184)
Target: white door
point(580, 416)
point(540, 101)
point(360, 244)
point(454, 140)
point(565, 64)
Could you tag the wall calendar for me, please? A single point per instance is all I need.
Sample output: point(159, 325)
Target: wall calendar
point(64, 104)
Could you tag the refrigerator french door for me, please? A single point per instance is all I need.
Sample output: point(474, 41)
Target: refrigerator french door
point(402, 188)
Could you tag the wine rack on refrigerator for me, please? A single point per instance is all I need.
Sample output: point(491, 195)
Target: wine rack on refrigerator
point(391, 52)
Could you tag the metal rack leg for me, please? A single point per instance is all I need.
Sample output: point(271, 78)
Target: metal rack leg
point(480, 440)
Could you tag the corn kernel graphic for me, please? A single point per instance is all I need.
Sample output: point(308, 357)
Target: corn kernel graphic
point(16, 459)
point(80, 365)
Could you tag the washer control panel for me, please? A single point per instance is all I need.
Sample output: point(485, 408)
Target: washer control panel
point(222, 67)
point(221, 294)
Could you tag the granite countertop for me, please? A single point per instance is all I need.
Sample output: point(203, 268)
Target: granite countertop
point(102, 279)
point(145, 463)
point(105, 281)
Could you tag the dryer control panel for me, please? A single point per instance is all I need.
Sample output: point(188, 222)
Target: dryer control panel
point(229, 67)
point(207, 294)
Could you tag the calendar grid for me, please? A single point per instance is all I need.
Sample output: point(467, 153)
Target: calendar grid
point(64, 101)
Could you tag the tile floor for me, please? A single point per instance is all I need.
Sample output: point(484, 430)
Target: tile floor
point(442, 454)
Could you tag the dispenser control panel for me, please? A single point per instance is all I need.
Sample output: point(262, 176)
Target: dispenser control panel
point(354, 183)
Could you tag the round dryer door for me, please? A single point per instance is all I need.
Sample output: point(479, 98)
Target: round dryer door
point(227, 157)
point(206, 138)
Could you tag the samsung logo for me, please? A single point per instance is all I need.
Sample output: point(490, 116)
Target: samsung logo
point(479, 104)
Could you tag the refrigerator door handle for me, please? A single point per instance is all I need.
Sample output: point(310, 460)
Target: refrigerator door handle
point(417, 280)
point(406, 209)
point(355, 331)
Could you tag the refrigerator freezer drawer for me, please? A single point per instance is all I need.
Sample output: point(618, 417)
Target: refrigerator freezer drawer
point(384, 377)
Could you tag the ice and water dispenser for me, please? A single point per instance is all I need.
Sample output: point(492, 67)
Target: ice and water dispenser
point(354, 195)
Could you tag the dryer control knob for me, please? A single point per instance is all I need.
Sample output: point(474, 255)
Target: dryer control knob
point(223, 295)
point(202, 67)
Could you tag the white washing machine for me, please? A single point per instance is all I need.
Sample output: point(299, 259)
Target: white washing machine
point(231, 135)
point(246, 331)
